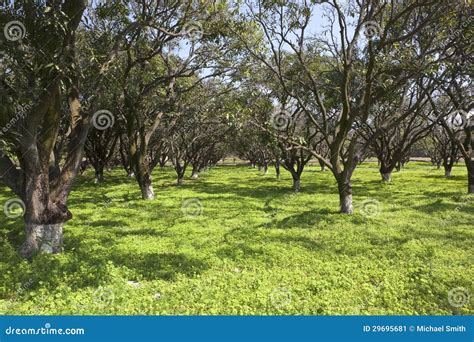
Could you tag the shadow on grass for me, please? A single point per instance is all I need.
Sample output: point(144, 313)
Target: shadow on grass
point(105, 224)
point(240, 251)
point(441, 176)
point(91, 263)
point(164, 266)
point(254, 188)
point(438, 206)
point(306, 219)
point(15, 232)
point(303, 241)
point(140, 232)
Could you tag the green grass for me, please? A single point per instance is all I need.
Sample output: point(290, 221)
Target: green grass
point(255, 249)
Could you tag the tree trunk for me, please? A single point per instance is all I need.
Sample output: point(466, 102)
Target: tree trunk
point(296, 183)
point(345, 198)
point(162, 162)
point(386, 172)
point(323, 166)
point(265, 169)
point(146, 187)
point(386, 177)
point(447, 171)
point(180, 171)
point(195, 172)
point(45, 238)
point(99, 174)
point(84, 166)
point(142, 171)
point(277, 170)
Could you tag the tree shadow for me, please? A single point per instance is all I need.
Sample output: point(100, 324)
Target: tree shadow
point(15, 233)
point(443, 178)
point(140, 232)
point(308, 243)
point(307, 219)
point(164, 266)
point(106, 224)
point(438, 206)
point(442, 194)
point(239, 251)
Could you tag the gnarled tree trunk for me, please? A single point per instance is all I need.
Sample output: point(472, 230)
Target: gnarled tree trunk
point(195, 172)
point(345, 197)
point(146, 187)
point(296, 183)
point(447, 171)
point(144, 180)
point(323, 166)
point(99, 174)
point(386, 170)
point(180, 171)
point(386, 176)
point(45, 238)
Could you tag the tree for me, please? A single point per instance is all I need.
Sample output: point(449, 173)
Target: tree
point(41, 75)
point(287, 126)
point(197, 128)
point(100, 149)
point(335, 82)
point(442, 149)
point(458, 125)
point(392, 147)
point(169, 46)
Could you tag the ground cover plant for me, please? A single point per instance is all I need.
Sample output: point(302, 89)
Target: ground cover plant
point(237, 241)
point(236, 157)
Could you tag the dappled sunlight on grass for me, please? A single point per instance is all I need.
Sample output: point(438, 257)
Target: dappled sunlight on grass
point(251, 241)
